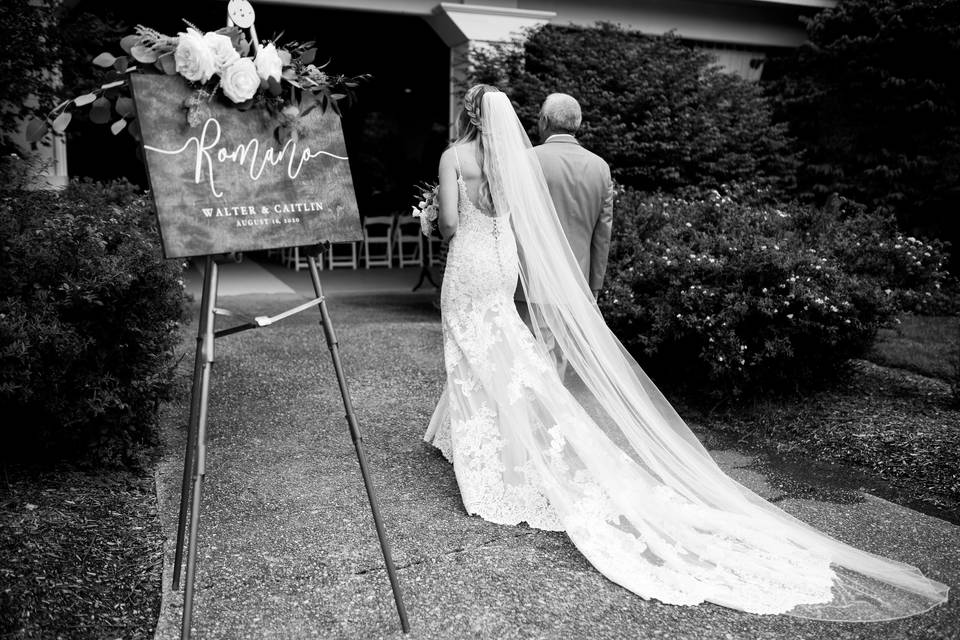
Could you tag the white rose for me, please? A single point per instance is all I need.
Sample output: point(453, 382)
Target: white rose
point(222, 47)
point(269, 64)
point(193, 57)
point(240, 81)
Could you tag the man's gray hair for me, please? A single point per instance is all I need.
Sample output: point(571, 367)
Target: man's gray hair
point(561, 112)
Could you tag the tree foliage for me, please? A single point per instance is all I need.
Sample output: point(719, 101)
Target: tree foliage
point(874, 100)
point(45, 53)
point(658, 110)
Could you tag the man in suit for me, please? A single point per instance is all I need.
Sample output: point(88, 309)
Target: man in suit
point(580, 186)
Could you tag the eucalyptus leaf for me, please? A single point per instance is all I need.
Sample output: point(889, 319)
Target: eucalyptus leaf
point(142, 54)
point(85, 99)
point(167, 64)
point(118, 126)
point(338, 96)
point(62, 121)
point(36, 129)
point(274, 86)
point(104, 60)
point(125, 107)
point(127, 42)
point(134, 130)
point(307, 101)
point(308, 56)
point(100, 111)
point(121, 64)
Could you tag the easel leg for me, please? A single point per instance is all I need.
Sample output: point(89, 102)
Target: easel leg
point(192, 425)
point(197, 459)
point(358, 444)
point(425, 275)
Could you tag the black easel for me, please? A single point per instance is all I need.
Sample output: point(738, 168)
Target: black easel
point(425, 275)
point(194, 465)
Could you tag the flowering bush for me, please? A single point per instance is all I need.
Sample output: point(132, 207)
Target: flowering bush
point(88, 321)
point(283, 80)
point(730, 294)
point(427, 208)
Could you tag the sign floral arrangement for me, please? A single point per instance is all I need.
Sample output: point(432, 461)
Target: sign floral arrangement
point(224, 65)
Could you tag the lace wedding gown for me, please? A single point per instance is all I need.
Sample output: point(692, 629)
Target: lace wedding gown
point(616, 469)
point(505, 406)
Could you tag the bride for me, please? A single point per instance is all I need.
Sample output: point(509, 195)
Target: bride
point(608, 460)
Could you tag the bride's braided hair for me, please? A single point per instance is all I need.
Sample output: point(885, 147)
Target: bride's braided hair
point(470, 128)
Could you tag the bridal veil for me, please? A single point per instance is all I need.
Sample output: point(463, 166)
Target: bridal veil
point(637, 492)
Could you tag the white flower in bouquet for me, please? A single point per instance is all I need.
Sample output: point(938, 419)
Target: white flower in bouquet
point(193, 57)
point(222, 47)
point(240, 80)
point(269, 63)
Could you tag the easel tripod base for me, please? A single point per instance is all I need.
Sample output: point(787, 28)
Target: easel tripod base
point(194, 468)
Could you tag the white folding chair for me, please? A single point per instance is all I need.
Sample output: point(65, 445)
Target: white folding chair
point(291, 258)
point(408, 241)
point(343, 254)
point(378, 230)
point(434, 251)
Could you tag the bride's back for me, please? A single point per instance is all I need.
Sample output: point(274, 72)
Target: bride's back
point(468, 157)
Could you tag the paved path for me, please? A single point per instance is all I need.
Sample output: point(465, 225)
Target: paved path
point(287, 544)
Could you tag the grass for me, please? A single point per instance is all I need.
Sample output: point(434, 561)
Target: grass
point(923, 344)
point(80, 554)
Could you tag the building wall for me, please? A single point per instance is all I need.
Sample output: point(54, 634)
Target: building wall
point(761, 23)
point(736, 31)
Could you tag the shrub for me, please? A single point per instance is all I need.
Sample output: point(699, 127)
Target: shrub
point(658, 110)
point(731, 294)
point(88, 320)
point(874, 99)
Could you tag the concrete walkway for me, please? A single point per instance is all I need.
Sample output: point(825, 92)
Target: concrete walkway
point(287, 544)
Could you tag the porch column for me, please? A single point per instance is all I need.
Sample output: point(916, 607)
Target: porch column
point(465, 27)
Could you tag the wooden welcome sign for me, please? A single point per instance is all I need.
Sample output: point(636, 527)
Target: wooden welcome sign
point(229, 185)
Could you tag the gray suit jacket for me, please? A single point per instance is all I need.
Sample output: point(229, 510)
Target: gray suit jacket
point(581, 189)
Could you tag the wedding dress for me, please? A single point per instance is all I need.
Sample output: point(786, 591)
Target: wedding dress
point(608, 460)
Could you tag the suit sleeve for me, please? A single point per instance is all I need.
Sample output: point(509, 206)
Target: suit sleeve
point(600, 243)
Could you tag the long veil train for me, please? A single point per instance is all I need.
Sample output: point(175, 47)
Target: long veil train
point(637, 492)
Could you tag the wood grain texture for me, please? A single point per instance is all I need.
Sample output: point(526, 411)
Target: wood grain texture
point(228, 185)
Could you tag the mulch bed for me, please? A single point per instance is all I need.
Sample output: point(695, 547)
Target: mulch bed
point(80, 554)
point(890, 431)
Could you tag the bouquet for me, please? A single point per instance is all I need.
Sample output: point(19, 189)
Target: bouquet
point(427, 207)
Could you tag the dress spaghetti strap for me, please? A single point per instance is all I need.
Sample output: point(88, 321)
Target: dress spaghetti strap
point(457, 156)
